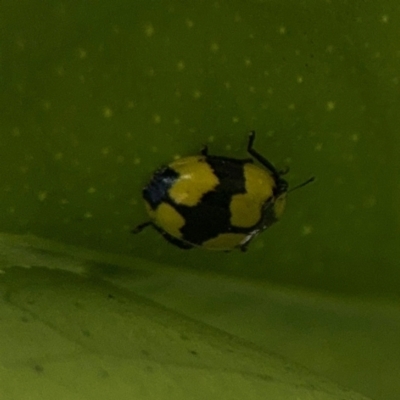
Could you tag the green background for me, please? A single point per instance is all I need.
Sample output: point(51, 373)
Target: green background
point(96, 95)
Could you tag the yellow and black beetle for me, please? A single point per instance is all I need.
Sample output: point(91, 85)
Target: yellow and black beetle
point(215, 202)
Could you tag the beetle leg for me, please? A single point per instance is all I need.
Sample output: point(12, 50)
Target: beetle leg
point(140, 227)
point(175, 241)
point(243, 247)
point(262, 160)
point(204, 150)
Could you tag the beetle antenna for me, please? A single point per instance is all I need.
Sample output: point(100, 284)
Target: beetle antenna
point(309, 180)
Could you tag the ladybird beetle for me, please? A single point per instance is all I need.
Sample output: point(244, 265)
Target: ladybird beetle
point(215, 202)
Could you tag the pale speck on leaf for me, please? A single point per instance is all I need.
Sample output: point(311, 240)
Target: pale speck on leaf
point(247, 62)
point(91, 190)
point(318, 147)
point(299, 79)
point(235, 120)
point(82, 53)
point(385, 18)
point(180, 66)
point(156, 118)
point(149, 30)
point(107, 112)
point(58, 156)
point(214, 47)
point(42, 196)
point(197, 94)
point(189, 23)
point(88, 215)
point(330, 105)
point(291, 106)
point(282, 30)
point(136, 161)
point(355, 137)
point(306, 230)
point(105, 151)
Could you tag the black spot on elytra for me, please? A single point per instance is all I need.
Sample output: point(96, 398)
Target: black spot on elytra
point(212, 215)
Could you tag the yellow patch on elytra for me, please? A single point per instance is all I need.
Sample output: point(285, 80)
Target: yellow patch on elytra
point(168, 218)
point(226, 241)
point(245, 211)
point(246, 208)
point(196, 178)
